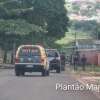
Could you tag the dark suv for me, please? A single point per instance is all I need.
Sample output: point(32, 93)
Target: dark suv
point(54, 59)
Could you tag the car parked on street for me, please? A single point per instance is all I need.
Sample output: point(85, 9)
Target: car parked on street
point(54, 59)
point(31, 58)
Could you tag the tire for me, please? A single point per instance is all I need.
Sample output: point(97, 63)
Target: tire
point(43, 72)
point(62, 68)
point(58, 70)
point(17, 73)
point(47, 72)
point(22, 73)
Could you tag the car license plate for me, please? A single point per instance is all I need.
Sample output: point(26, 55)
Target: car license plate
point(29, 66)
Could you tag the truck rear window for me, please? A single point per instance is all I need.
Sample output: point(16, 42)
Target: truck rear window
point(29, 52)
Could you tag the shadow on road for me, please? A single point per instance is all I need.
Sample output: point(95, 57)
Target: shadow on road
point(33, 76)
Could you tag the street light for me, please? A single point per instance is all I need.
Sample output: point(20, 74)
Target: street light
point(76, 43)
point(97, 32)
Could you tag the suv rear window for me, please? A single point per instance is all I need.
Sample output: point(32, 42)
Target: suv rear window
point(27, 51)
point(51, 53)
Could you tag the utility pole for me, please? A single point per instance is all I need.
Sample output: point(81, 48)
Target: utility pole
point(14, 46)
point(97, 32)
point(32, 38)
point(75, 39)
point(76, 43)
point(13, 52)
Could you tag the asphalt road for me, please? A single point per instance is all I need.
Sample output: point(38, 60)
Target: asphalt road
point(34, 87)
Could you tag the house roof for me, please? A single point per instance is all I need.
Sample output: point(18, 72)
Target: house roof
point(85, 41)
point(88, 45)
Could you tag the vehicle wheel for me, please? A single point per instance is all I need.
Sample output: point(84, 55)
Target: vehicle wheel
point(22, 73)
point(58, 70)
point(47, 72)
point(44, 72)
point(63, 68)
point(17, 73)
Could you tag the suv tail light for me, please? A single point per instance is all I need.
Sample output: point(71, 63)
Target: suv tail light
point(42, 60)
point(16, 60)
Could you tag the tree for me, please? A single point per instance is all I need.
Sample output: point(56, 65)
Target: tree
point(98, 31)
point(50, 14)
point(31, 21)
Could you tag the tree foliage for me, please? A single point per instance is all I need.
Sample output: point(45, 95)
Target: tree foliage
point(31, 21)
point(50, 15)
point(91, 27)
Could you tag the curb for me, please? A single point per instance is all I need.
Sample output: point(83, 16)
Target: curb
point(80, 81)
point(95, 93)
point(6, 66)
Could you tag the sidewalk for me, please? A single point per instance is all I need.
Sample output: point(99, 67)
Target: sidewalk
point(6, 66)
point(95, 80)
point(86, 78)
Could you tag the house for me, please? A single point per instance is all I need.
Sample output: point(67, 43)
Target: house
point(91, 49)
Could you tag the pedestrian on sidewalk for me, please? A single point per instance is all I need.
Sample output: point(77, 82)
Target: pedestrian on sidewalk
point(76, 61)
point(63, 59)
point(83, 61)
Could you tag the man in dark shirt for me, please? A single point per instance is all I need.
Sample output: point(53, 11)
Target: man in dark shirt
point(63, 59)
point(76, 60)
point(83, 61)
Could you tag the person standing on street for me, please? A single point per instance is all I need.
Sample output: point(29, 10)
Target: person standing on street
point(63, 59)
point(83, 61)
point(75, 60)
